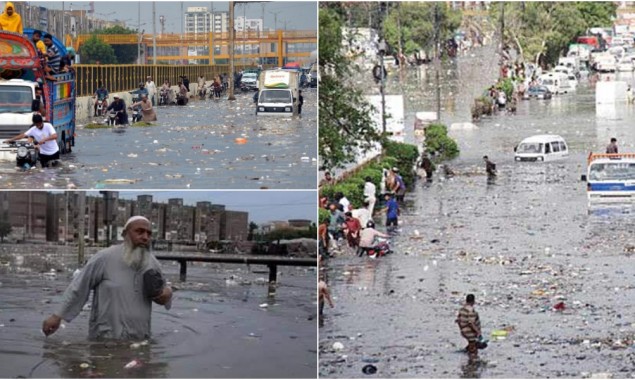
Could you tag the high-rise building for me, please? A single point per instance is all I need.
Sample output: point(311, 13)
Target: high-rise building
point(197, 20)
point(220, 22)
point(248, 24)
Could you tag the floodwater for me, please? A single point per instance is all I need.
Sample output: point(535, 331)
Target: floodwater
point(522, 243)
point(218, 327)
point(189, 147)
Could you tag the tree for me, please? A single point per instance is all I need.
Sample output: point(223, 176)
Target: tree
point(411, 25)
point(95, 50)
point(344, 118)
point(252, 227)
point(542, 31)
point(5, 229)
point(124, 53)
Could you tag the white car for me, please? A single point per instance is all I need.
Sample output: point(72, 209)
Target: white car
point(625, 64)
point(541, 148)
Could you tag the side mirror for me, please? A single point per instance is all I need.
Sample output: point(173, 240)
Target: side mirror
point(583, 177)
point(515, 148)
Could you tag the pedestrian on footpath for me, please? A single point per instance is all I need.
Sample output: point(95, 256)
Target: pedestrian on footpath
point(469, 325)
point(612, 147)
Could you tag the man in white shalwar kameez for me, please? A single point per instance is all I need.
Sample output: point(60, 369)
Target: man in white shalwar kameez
point(125, 280)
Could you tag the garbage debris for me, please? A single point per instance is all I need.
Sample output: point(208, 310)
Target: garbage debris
point(133, 364)
point(369, 369)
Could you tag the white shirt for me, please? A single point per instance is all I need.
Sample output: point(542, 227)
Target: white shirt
point(345, 203)
point(151, 87)
point(361, 214)
point(48, 148)
point(369, 190)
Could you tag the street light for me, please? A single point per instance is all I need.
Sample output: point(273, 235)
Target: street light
point(381, 47)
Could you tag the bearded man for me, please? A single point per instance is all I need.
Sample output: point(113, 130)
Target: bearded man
point(125, 280)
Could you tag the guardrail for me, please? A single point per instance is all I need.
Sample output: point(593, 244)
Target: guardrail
point(271, 262)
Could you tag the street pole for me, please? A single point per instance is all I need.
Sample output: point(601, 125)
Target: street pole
point(244, 31)
point(382, 87)
point(138, 33)
point(63, 21)
point(437, 60)
point(154, 34)
point(81, 205)
point(232, 35)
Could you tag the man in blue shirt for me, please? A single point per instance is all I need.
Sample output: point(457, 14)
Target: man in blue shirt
point(392, 211)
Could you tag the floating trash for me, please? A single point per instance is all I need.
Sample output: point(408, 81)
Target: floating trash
point(369, 369)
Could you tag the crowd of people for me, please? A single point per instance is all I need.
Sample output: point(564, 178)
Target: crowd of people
point(353, 225)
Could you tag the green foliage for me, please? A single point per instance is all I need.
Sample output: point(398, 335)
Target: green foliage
point(124, 53)
point(541, 31)
point(95, 50)
point(96, 126)
point(507, 85)
point(413, 24)
point(439, 144)
point(323, 214)
point(252, 227)
point(344, 118)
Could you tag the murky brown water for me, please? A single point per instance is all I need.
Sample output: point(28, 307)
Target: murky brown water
point(216, 327)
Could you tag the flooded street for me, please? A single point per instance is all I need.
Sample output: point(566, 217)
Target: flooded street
point(189, 147)
point(522, 244)
point(217, 327)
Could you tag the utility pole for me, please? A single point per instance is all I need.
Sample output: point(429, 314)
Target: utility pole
point(154, 34)
point(81, 205)
point(63, 21)
point(382, 51)
point(138, 33)
point(244, 31)
point(437, 58)
point(232, 36)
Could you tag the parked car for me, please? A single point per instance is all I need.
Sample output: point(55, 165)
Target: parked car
point(538, 92)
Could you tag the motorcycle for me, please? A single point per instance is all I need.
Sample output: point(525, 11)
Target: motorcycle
point(202, 92)
point(164, 98)
point(382, 248)
point(136, 111)
point(27, 155)
point(101, 106)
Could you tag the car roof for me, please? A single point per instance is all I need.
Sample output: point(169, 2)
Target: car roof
point(542, 139)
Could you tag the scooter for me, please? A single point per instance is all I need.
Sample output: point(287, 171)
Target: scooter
point(382, 248)
point(27, 155)
point(164, 98)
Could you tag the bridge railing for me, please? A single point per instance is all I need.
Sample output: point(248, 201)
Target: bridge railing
point(118, 78)
point(271, 262)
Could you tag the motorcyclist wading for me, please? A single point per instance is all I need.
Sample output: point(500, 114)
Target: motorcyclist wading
point(101, 100)
point(118, 115)
point(44, 137)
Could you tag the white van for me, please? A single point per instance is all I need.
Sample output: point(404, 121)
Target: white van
point(557, 83)
point(541, 148)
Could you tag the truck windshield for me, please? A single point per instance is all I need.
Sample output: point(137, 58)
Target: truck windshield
point(612, 171)
point(250, 76)
point(17, 99)
point(275, 96)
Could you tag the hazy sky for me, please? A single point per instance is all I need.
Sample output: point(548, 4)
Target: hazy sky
point(298, 15)
point(263, 206)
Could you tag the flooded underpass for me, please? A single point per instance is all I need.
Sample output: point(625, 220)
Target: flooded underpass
point(551, 279)
point(193, 146)
point(223, 323)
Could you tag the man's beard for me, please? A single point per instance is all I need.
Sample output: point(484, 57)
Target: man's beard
point(134, 257)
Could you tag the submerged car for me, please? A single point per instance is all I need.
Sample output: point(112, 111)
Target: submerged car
point(538, 92)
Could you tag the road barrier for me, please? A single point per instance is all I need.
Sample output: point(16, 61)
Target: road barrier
point(271, 262)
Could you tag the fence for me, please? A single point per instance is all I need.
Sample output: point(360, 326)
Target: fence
point(120, 78)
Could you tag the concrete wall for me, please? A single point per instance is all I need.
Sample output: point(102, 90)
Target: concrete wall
point(84, 105)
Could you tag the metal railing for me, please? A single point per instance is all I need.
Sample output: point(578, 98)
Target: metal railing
point(119, 78)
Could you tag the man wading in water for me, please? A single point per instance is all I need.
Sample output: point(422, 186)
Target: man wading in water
point(125, 279)
point(470, 326)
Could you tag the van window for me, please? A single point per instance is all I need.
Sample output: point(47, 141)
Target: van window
point(555, 146)
point(563, 146)
point(547, 148)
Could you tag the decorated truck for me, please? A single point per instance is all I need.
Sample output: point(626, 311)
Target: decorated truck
point(278, 93)
point(22, 71)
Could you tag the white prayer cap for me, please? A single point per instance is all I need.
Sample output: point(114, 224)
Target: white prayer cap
point(134, 219)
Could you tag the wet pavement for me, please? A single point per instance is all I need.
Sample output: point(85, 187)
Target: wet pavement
point(223, 323)
point(193, 146)
point(522, 243)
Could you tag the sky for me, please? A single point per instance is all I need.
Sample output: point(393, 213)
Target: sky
point(263, 206)
point(298, 15)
